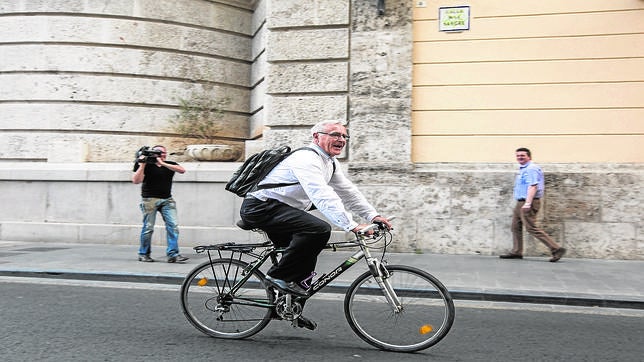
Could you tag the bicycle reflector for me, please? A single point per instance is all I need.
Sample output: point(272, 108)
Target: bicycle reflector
point(425, 329)
point(202, 282)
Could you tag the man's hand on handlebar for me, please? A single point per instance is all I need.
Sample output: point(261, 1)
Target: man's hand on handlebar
point(382, 220)
point(376, 220)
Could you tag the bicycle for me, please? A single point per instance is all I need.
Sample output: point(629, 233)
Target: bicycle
point(392, 307)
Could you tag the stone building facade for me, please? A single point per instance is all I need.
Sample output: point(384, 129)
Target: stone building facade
point(87, 82)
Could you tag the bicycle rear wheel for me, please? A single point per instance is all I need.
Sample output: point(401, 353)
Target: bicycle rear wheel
point(221, 300)
point(426, 317)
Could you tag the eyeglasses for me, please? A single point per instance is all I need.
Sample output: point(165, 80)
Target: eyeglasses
point(336, 135)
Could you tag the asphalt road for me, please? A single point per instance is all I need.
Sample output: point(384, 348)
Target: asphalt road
point(45, 320)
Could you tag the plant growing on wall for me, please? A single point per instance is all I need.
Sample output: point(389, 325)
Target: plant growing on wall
point(200, 116)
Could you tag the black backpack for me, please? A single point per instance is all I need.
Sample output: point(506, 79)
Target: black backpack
point(256, 167)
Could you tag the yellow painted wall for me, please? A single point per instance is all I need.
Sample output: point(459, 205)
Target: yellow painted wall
point(564, 78)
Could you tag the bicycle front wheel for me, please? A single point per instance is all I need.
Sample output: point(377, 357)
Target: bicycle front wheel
point(425, 317)
point(222, 300)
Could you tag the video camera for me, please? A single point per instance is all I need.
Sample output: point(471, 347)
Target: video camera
point(149, 153)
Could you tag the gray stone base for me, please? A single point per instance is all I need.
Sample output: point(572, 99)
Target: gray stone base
point(593, 210)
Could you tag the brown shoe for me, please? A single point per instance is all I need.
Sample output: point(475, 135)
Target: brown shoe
point(557, 254)
point(511, 256)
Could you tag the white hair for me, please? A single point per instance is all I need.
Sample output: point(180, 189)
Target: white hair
point(322, 126)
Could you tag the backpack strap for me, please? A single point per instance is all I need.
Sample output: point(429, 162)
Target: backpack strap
point(272, 186)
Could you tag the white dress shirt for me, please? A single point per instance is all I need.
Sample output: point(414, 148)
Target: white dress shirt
point(318, 185)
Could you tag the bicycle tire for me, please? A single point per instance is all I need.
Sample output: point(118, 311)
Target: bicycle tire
point(209, 306)
point(427, 315)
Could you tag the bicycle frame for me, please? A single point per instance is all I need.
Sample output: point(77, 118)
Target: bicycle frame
point(376, 268)
point(379, 273)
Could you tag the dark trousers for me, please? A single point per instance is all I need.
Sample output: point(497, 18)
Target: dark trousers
point(302, 234)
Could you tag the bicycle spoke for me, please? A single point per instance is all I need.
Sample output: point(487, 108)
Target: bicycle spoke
point(222, 301)
point(427, 310)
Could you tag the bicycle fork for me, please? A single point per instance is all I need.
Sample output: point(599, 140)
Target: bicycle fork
point(381, 275)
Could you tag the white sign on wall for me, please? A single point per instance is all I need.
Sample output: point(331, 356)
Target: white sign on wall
point(455, 18)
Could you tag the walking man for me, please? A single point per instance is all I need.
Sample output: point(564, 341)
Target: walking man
point(529, 187)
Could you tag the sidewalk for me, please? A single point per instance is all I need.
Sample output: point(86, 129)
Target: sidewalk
point(583, 282)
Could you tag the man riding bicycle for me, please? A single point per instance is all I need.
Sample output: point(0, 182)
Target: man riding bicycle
point(314, 181)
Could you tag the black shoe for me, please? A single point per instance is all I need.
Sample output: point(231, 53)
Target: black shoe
point(303, 322)
point(557, 254)
point(145, 258)
point(177, 259)
point(511, 256)
point(287, 287)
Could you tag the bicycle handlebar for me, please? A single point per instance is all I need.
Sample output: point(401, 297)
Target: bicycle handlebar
point(375, 227)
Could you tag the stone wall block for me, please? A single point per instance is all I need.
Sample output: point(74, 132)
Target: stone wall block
point(425, 202)
point(259, 69)
point(305, 110)
point(207, 14)
point(112, 7)
point(62, 149)
point(54, 6)
point(501, 241)
point(378, 134)
point(27, 203)
point(307, 77)
point(294, 138)
point(258, 19)
point(601, 240)
point(619, 205)
point(638, 253)
point(21, 146)
point(20, 29)
point(121, 90)
point(217, 206)
point(95, 31)
point(217, 43)
point(131, 61)
point(258, 45)
point(308, 44)
point(467, 202)
point(258, 96)
point(390, 113)
point(371, 84)
point(294, 13)
point(256, 126)
point(364, 19)
point(451, 236)
point(90, 117)
point(203, 13)
point(388, 58)
point(371, 145)
point(571, 204)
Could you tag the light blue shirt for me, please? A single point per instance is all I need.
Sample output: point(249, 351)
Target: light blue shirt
point(528, 175)
point(330, 192)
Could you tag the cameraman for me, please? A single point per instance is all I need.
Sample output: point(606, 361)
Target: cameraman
point(156, 174)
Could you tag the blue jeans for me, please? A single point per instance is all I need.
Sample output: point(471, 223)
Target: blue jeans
point(168, 209)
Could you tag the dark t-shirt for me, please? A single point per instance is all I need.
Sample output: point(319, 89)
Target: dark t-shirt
point(157, 181)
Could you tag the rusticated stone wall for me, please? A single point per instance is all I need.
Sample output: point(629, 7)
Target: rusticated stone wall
point(92, 81)
point(593, 210)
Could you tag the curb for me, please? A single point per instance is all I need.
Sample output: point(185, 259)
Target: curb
point(341, 288)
